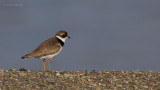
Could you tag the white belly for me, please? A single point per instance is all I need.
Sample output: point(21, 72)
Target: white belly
point(50, 56)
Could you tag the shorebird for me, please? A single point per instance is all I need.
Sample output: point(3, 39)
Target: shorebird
point(49, 48)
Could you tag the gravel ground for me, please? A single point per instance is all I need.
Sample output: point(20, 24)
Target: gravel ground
point(75, 80)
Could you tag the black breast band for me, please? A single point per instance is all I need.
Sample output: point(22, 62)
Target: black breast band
point(61, 42)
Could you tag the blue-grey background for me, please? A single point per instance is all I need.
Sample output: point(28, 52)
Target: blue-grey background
point(105, 34)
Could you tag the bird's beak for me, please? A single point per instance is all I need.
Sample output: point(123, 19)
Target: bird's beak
point(68, 37)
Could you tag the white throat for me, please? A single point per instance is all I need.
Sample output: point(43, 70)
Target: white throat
point(63, 39)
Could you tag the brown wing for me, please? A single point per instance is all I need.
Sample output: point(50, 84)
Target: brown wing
point(49, 46)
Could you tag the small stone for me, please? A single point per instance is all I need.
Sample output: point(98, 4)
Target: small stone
point(58, 74)
point(99, 84)
point(22, 74)
point(145, 86)
point(22, 69)
point(29, 70)
point(11, 69)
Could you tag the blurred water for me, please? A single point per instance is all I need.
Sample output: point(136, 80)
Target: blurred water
point(105, 35)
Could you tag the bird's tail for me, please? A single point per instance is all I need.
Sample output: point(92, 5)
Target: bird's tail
point(25, 56)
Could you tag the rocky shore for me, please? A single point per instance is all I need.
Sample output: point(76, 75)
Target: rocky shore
point(75, 80)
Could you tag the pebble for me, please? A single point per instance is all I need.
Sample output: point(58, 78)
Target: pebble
point(58, 74)
point(22, 74)
point(22, 69)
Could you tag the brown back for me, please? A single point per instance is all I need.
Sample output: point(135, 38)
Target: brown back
point(48, 47)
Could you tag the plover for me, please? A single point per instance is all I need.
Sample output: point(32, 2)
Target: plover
point(49, 48)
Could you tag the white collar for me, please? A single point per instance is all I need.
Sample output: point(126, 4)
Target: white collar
point(63, 39)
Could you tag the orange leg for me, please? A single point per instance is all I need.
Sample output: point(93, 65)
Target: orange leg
point(44, 65)
point(49, 65)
